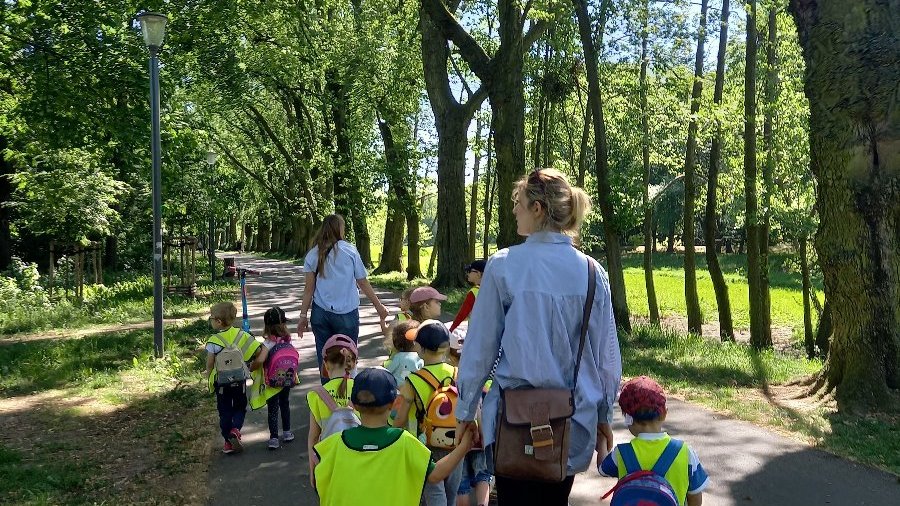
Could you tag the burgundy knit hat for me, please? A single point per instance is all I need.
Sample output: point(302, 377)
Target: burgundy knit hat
point(642, 399)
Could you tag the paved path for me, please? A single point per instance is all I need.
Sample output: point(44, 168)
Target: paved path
point(747, 464)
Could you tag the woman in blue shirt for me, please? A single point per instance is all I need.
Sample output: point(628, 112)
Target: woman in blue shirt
point(334, 275)
point(530, 304)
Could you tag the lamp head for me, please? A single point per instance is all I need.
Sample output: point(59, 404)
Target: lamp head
point(153, 27)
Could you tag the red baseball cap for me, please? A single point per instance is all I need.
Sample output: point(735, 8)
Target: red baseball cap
point(642, 399)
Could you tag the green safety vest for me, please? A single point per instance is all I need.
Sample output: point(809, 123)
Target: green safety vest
point(258, 392)
point(442, 372)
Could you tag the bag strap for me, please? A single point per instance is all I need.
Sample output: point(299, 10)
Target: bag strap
point(586, 316)
point(665, 461)
point(326, 398)
point(629, 458)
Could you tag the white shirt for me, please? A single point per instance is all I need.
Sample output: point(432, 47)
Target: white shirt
point(530, 303)
point(337, 292)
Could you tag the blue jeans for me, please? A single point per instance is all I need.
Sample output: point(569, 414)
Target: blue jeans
point(326, 324)
point(478, 466)
point(231, 402)
point(442, 493)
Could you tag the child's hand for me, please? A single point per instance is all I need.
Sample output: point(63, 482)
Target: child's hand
point(469, 434)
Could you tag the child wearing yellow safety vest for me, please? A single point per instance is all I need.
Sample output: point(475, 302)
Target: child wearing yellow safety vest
point(433, 339)
point(644, 404)
point(474, 271)
point(339, 356)
point(379, 464)
point(231, 400)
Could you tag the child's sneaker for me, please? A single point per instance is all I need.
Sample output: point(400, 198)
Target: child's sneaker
point(235, 440)
point(288, 436)
point(274, 443)
point(228, 448)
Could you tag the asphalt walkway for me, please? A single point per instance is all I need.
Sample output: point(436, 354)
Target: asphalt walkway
point(747, 464)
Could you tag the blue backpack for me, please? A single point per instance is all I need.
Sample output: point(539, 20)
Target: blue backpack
point(645, 488)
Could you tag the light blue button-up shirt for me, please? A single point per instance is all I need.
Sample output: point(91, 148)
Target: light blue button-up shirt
point(337, 292)
point(531, 303)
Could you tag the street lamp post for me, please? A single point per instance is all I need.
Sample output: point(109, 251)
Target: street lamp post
point(211, 245)
point(153, 28)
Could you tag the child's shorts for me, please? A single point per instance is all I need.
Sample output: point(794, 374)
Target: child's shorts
point(478, 467)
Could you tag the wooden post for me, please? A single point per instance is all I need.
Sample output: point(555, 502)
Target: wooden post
point(52, 268)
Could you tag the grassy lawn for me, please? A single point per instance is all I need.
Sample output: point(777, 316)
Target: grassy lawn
point(97, 420)
point(734, 379)
point(126, 300)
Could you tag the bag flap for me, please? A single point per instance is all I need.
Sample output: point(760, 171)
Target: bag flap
point(520, 406)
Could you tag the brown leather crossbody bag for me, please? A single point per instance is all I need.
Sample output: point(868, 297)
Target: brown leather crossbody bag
point(532, 435)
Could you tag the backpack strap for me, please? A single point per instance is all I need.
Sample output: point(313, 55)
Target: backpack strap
point(665, 461)
point(432, 381)
point(629, 458)
point(326, 398)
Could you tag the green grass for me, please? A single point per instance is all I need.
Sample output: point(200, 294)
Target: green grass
point(111, 403)
point(734, 379)
point(668, 276)
point(127, 300)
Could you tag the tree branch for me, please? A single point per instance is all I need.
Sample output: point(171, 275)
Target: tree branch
point(447, 24)
point(534, 33)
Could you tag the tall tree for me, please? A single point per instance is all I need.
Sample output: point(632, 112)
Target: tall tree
point(769, 167)
point(649, 240)
point(851, 55)
point(760, 333)
point(502, 77)
point(692, 300)
point(711, 219)
point(595, 102)
point(452, 120)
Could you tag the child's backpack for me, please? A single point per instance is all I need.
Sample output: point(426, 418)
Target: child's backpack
point(438, 423)
point(230, 365)
point(282, 365)
point(645, 488)
point(340, 420)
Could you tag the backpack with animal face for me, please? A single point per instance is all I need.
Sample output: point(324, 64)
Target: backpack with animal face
point(341, 418)
point(641, 487)
point(282, 365)
point(438, 422)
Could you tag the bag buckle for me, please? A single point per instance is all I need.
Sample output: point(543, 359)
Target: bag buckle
point(541, 436)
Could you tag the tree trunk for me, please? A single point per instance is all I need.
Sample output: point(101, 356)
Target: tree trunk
point(452, 121)
point(851, 59)
point(710, 232)
point(6, 189)
point(809, 339)
point(824, 331)
point(413, 244)
point(473, 199)
point(111, 251)
point(692, 300)
point(392, 245)
point(363, 241)
point(610, 234)
point(276, 235)
point(670, 241)
point(769, 167)
point(760, 336)
point(264, 234)
point(489, 184)
point(649, 242)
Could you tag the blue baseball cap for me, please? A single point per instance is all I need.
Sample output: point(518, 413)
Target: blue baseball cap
point(432, 334)
point(374, 387)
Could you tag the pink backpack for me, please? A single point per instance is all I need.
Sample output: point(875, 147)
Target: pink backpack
point(282, 365)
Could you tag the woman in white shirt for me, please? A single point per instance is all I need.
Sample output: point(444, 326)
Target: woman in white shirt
point(334, 275)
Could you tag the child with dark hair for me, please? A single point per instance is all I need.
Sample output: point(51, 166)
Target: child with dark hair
point(474, 272)
point(644, 404)
point(275, 331)
point(375, 454)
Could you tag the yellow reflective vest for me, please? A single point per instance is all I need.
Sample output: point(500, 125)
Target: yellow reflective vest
point(367, 477)
point(648, 452)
